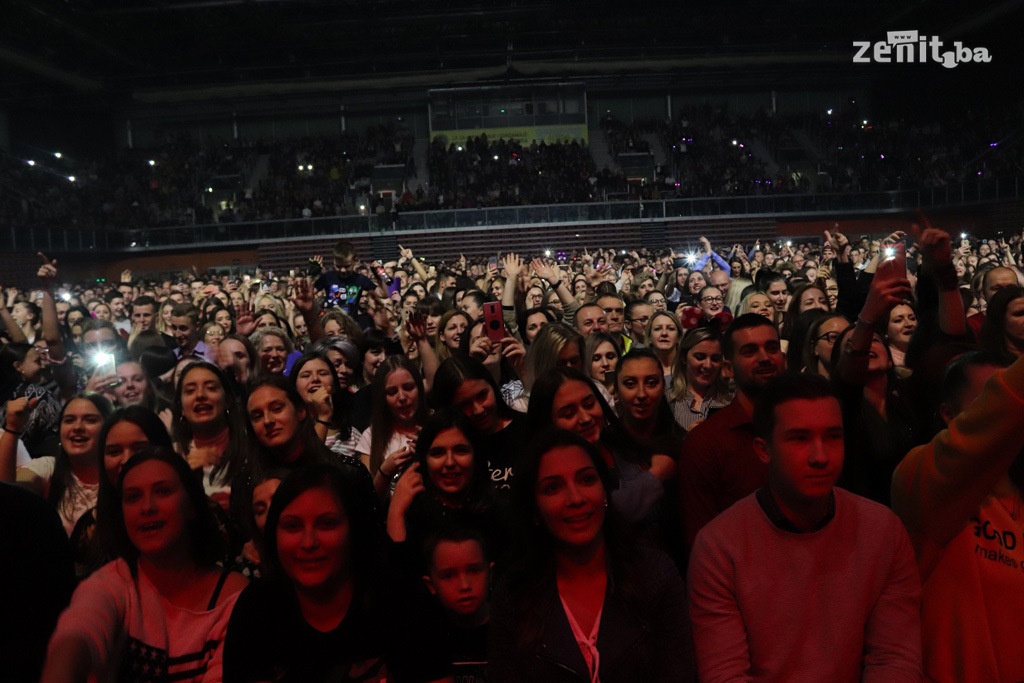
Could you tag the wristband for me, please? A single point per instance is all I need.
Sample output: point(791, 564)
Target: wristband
point(323, 422)
point(11, 431)
point(862, 321)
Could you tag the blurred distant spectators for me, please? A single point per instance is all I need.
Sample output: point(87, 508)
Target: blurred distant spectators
point(706, 152)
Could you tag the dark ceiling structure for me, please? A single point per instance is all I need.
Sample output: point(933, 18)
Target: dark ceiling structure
point(86, 52)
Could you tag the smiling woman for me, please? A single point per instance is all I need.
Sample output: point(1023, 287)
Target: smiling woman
point(164, 602)
point(321, 615)
point(446, 484)
point(579, 588)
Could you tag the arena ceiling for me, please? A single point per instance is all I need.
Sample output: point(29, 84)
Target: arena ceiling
point(120, 50)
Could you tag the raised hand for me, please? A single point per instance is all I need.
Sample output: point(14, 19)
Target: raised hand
point(512, 265)
point(303, 297)
point(935, 244)
point(545, 271)
point(18, 412)
point(47, 272)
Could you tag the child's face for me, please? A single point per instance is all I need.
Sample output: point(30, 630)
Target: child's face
point(460, 577)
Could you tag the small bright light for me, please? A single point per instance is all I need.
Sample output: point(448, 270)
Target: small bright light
point(134, 243)
point(889, 252)
point(865, 122)
point(882, 156)
point(789, 243)
point(31, 163)
point(152, 162)
point(547, 252)
point(58, 155)
point(691, 258)
point(66, 296)
point(459, 148)
point(209, 189)
point(577, 234)
point(309, 167)
point(495, 157)
point(735, 142)
point(301, 167)
point(963, 235)
point(71, 178)
point(623, 251)
point(362, 207)
point(829, 112)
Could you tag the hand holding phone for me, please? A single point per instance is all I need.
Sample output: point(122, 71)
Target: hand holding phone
point(494, 324)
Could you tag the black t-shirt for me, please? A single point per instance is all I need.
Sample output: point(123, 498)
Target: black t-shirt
point(343, 290)
point(501, 450)
point(268, 639)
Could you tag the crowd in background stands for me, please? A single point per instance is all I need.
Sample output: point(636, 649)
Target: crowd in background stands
point(374, 446)
point(710, 153)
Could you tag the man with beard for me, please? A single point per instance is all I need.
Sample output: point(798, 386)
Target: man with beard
point(960, 497)
point(718, 464)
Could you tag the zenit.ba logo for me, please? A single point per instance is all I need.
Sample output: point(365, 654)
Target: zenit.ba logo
point(907, 47)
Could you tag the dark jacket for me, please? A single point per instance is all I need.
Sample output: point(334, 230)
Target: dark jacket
point(646, 642)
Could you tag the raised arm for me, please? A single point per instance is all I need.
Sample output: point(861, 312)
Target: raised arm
point(938, 260)
point(939, 486)
point(888, 288)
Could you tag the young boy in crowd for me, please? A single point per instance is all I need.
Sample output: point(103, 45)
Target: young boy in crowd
point(460, 577)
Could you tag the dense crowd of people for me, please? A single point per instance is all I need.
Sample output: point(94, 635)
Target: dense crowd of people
point(756, 462)
point(709, 153)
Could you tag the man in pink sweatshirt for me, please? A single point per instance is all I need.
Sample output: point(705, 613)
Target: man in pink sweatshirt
point(801, 581)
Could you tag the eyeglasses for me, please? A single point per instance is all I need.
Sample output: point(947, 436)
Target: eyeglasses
point(829, 337)
point(712, 299)
point(655, 301)
point(643, 321)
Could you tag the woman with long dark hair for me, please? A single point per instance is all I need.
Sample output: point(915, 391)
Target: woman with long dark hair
point(465, 385)
point(321, 615)
point(581, 598)
point(567, 399)
point(399, 409)
point(164, 604)
point(70, 479)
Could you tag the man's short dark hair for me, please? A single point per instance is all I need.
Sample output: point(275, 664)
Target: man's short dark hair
point(589, 304)
point(743, 322)
point(632, 306)
point(344, 249)
point(144, 300)
point(186, 310)
point(957, 375)
point(787, 387)
point(453, 533)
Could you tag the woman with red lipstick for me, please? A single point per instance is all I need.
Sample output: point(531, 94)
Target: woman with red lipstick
point(582, 599)
point(565, 398)
point(698, 387)
point(164, 604)
point(399, 407)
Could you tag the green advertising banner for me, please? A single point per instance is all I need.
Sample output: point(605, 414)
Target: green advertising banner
point(523, 134)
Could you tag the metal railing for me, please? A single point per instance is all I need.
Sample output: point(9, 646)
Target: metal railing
point(224, 234)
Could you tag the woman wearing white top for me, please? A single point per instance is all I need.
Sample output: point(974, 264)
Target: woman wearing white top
point(399, 407)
